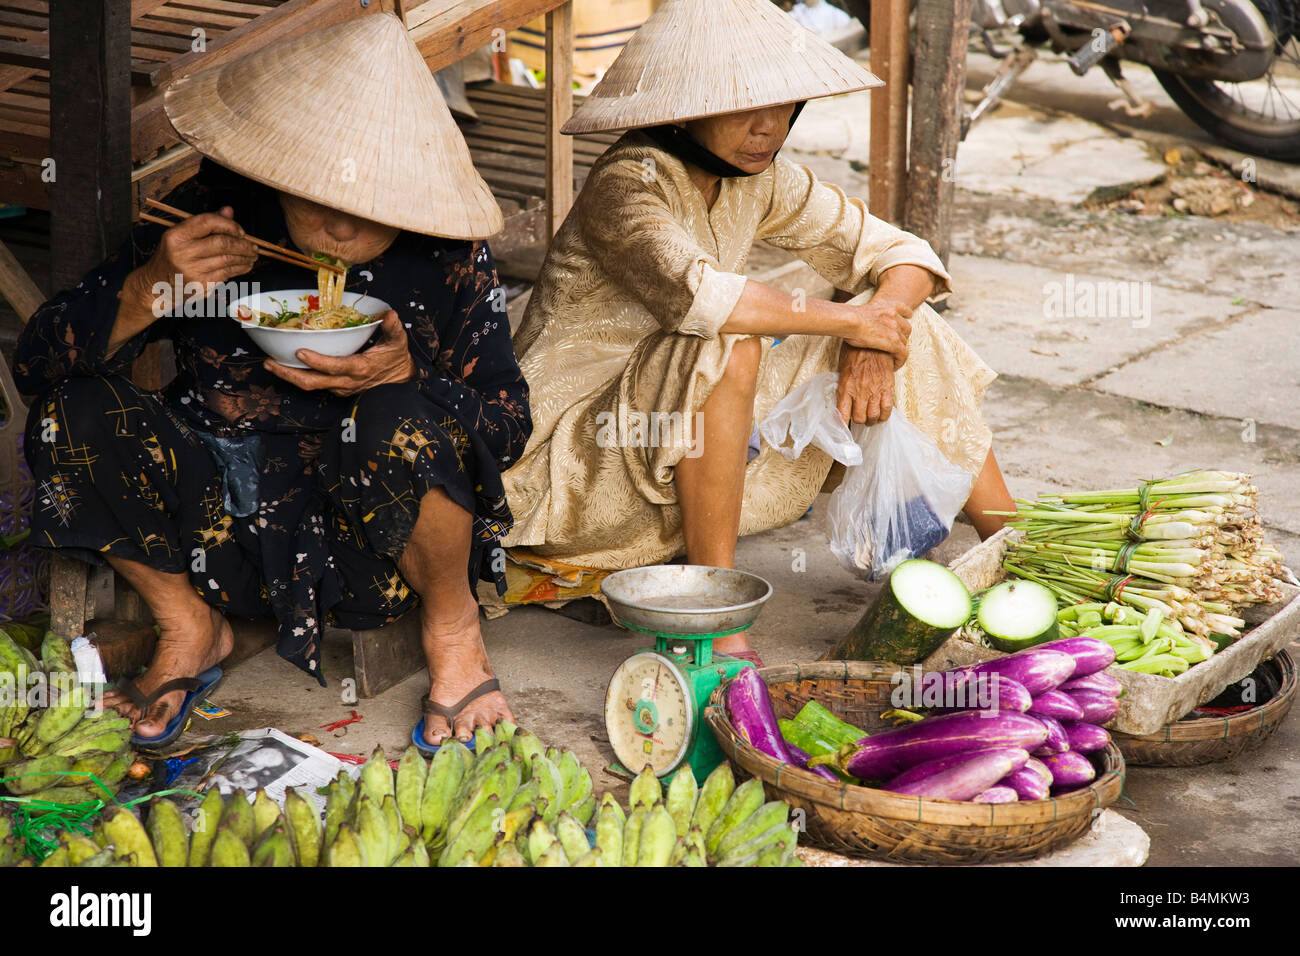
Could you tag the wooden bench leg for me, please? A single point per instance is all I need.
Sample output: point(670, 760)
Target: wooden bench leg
point(384, 656)
point(68, 578)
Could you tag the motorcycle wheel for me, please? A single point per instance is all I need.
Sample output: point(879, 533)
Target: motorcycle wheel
point(1260, 117)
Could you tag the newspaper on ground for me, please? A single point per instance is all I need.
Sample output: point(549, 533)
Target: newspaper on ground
point(268, 758)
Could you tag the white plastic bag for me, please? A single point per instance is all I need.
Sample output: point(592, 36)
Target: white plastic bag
point(897, 504)
point(810, 417)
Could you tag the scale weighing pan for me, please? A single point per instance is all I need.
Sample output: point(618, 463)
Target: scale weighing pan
point(655, 697)
point(685, 599)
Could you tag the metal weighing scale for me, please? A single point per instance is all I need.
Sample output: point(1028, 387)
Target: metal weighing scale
point(656, 696)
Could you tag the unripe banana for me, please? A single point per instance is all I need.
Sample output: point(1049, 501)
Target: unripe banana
point(274, 849)
point(377, 777)
point(167, 833)
point(346, 850)
point(540, 838)
point(632, 835)
point(646, 790)
point(476, 836)
point(29, 776)
point(206, 821)
point(446, 771)
point(504, 731)
point(526, 746)
point(658, 837)
point(592, 857)
point(508, 855)
point(773, 814)
point(550, 787)
point(483, 739)
point(572, 836)
point(372, 830)
point(80, 847)
point(237, 816)
point(570, 773)
point(609, 830)
point(265, 813)
point(304, 821)
point(411, 774)
point(717, 790)
point(683, 792)
point(747, 798)
point(59, 858)
point(128, 836)
point(554, 855)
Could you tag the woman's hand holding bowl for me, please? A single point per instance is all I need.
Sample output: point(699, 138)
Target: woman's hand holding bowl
point(385, 362)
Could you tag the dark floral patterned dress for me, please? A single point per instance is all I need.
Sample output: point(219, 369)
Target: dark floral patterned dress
point(275, 500)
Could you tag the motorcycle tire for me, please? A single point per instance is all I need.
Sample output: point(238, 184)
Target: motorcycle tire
point(1210, 108)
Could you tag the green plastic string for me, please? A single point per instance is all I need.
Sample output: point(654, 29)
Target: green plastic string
point(38, 823)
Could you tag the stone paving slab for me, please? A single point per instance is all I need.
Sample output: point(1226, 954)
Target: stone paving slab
point(1248, 370)
point(1066, 328)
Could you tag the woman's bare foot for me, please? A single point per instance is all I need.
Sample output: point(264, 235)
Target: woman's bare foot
point(458, 663)
point(192, 640)
point(733, 644)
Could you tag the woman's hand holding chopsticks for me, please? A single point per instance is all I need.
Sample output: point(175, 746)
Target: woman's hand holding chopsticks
point(208, 249)
point(385, 362)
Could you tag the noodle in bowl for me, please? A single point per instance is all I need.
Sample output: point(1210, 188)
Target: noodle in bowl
point(326, 331)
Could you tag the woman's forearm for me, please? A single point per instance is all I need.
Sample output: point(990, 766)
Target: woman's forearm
point(135, 311)
point(765, 310)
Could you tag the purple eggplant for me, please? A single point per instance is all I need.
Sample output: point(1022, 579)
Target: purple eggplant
point(939, 764)
point(1057, 740)
point(1085, 738)
point(1097, 708)
point(1069, 770)
point(749, 705)
point(1027, 782)
point(998, 794)
point(800, 758)
point(967, 779)
point(884, 756)
point(1040, 768)
point(1098, 683)
point(1090, 654)
point(1038, 669)
point(1056, 704)
point(966, 690)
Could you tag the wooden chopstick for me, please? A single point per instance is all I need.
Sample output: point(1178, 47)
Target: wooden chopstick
point(268, 249)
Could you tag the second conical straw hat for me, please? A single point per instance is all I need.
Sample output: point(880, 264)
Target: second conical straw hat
point(348, 116)
point(696, 58)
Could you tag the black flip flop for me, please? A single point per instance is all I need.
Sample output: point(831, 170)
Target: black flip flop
point(194, 687)
point(450, 713)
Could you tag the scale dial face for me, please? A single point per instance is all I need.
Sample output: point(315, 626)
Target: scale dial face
point(649, 713)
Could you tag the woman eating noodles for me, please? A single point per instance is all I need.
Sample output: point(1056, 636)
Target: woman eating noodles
point(346, 492)
point(642, 311)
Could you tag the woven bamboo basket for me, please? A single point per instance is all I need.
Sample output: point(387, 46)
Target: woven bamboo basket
point(1190, 743)
point(861, 821)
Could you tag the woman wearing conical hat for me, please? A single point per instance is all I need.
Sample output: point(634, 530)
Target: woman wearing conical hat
point(642, 318)
point(346, 492)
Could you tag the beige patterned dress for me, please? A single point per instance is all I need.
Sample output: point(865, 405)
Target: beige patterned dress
point(623, 327)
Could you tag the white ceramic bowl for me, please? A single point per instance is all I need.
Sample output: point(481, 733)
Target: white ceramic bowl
point(282, 344)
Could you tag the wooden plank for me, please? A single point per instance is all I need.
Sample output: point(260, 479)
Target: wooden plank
point(67, 589)
point(938, 83)
point(17, 287)
point(247, 10)
point(140, 8)
point(888, 150)
point(559, 107)
point(21, 184)
point(384, 656)
point(150, 131)
point(41, 7)
point(189, 19)
point(457, 31)
point(90, 93)
point(29, 53)
point(290, 19)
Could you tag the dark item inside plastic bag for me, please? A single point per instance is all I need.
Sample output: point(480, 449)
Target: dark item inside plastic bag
point(899, 503)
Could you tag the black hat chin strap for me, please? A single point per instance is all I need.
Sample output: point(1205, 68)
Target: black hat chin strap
point(678, 141)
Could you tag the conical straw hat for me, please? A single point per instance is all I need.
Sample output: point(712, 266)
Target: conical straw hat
point(696, 58)
point(348, 116)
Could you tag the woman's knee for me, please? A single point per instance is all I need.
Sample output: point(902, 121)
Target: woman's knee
point(83, 402)
point(742, 365)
